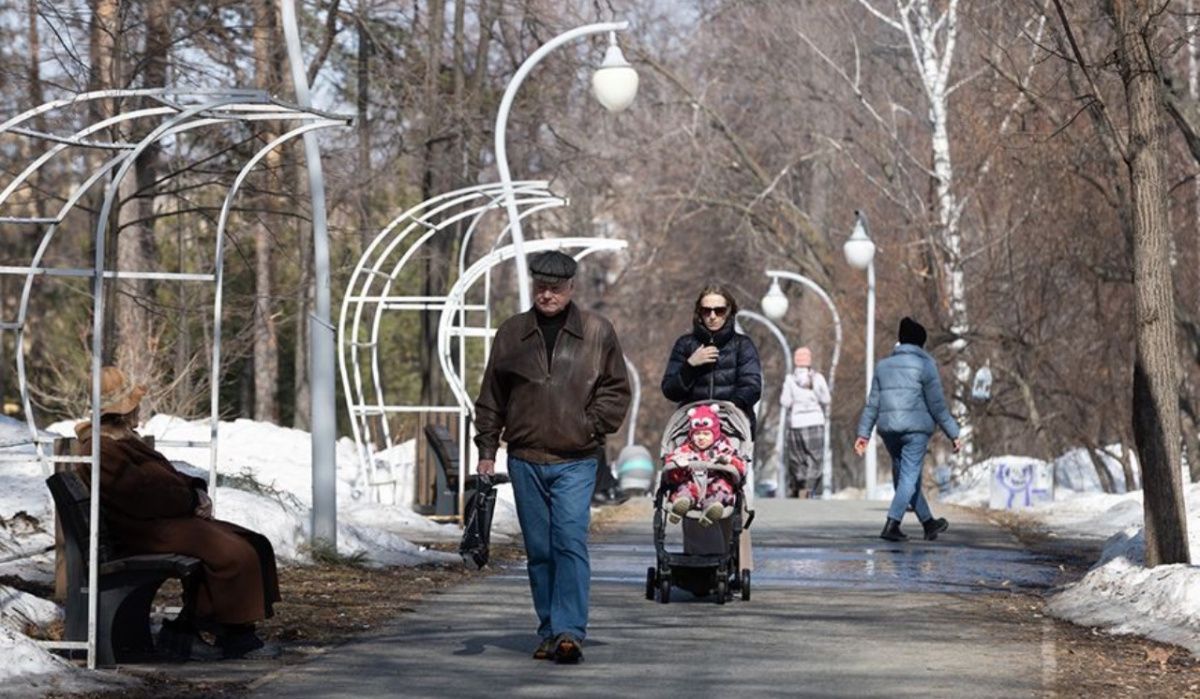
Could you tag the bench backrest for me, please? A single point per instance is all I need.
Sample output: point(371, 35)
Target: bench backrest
point(72, 501)
point(445, 452)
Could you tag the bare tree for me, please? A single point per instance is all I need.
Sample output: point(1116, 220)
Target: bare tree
point(266, 341)
point(1155, 369)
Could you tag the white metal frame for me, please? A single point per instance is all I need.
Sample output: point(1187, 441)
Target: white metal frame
point(371, 293)
point(827, 455)
point(456, 300)
point(181, 111)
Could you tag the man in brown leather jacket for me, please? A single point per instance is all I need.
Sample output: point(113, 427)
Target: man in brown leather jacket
point(555, 385)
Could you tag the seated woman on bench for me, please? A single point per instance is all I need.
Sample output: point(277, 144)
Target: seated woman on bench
point(149, 507)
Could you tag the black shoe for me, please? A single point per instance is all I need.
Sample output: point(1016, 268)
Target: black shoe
point(934, 526)
point(545, 650)
point(185, 644)
point(891, 531)
point(247, 644)
point(568, 650)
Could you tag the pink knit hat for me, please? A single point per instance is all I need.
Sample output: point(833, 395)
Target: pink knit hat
point(803, 357)
point(705, 417)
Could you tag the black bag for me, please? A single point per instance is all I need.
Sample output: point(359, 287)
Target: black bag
point(477, 529)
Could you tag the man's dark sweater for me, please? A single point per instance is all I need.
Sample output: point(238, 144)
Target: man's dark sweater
point(550, 325)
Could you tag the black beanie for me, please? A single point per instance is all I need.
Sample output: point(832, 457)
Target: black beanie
point(911, 332)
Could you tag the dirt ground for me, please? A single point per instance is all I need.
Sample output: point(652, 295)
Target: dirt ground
point(1090, 662)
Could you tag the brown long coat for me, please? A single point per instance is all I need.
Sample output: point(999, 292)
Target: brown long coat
point(149, 507)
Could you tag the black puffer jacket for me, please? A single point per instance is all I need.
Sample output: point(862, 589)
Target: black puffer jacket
point(736, 376)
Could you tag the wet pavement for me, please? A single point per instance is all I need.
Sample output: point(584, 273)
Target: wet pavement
point(836, 611)
point(970, 558)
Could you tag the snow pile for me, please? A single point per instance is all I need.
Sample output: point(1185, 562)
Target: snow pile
point(1122, 595)
point(1074, 476)
point(265, 484)
point(27, 661)
point(1074, 471)
point(29, 670)
point(1091, 515)
point(20, 609)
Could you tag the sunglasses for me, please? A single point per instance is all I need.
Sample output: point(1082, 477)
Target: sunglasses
point(717, 311)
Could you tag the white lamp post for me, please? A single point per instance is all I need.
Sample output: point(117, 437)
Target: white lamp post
point(860, 254)
point(615, 85)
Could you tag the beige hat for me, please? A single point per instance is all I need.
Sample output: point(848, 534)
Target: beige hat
point(118, 396)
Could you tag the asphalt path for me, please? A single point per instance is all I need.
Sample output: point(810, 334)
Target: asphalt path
point(834, 612)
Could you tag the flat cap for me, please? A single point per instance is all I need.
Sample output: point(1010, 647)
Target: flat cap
point(552, 264)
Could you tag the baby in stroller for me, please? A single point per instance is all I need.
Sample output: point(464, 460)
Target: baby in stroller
point(711, 491)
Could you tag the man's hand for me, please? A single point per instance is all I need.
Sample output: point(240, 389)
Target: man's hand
point(860, 446)
point(486, 467)
point(204, 508)
point(957, 445)
point(705, 355)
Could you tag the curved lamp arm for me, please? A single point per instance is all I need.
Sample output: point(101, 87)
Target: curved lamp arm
point(518, 236)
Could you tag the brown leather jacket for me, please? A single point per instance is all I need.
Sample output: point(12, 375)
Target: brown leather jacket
point(556, 415)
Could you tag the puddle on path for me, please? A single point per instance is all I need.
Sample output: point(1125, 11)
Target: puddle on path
point(899, 568)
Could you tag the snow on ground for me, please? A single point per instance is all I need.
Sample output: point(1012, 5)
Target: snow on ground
point(19, 609)
point(264, 484)
point(1119, 593)
point(28, 670)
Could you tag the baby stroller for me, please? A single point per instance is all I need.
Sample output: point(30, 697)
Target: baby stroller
point(712, 559)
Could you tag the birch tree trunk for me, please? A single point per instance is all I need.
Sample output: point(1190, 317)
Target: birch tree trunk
point(930, 29)
point(1155, 371)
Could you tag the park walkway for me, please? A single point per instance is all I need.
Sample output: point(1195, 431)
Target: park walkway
point(836, 612)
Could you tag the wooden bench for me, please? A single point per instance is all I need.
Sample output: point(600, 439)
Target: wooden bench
point(127, 583)
point(445, 452)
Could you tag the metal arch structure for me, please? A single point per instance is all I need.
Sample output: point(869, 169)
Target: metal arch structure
point(827, 455)
point(375, 290)
point(456, 299)
point(179, 111)
point(787, 354)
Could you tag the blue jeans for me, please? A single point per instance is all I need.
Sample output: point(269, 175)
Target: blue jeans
point(554, 508)
point(908, 454)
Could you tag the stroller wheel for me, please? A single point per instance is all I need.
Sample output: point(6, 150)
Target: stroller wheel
point(745, 585)
point(651, 582)
point(722, 589)
point(664, 590)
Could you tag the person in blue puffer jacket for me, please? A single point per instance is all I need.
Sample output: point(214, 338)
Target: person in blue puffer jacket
point(906, 405)
point(713, 362)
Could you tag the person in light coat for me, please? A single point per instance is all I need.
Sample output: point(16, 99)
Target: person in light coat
point(906, 404)
point(805, 397)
